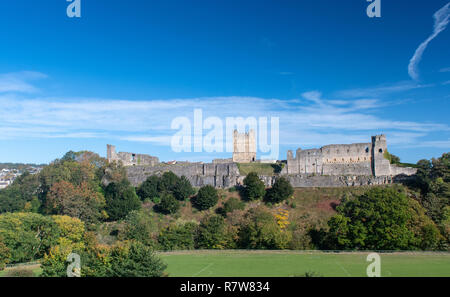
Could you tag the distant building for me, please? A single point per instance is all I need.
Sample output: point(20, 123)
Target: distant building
point(244, 147)
point(130, 159)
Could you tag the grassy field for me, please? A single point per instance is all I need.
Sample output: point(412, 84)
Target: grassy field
point(292, 263)
point(22, 271)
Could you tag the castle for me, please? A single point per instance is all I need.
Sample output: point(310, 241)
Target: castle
point(334, 165)
point(359, 159)
point(130, 159)
point(244, 147)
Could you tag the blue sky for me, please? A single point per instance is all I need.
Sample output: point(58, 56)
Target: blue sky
point(123, 71)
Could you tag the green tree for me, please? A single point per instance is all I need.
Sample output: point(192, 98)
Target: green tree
point(280, 191)
point(212, 233)
point(135, 260)
point(183, 189)
point(380, 219)
point(168, 204)
point(4, 255)
point(254, 188)
point(260, 230)
point(168, 182)
point(121, 198)
point(231, 205)
point(139, 226)
point(178, 237)
point(149, 189)
point(206, 198)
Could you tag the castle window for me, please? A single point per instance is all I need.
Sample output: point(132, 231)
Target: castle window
point(380, 150)
point(348, 151)
point(367, 149)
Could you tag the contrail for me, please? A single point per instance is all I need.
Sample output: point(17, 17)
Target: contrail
point(441, 19)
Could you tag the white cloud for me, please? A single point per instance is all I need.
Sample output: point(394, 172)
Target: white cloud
point(382, 90)
point(19, 81)
point(441, 19)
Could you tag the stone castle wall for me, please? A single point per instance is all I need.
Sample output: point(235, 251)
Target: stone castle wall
point(244, 147)
point(130, 159)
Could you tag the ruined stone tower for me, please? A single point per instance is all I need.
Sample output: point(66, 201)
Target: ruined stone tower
point(244, 147)
point(380, 165)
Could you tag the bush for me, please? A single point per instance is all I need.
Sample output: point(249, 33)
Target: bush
point(149, 189)
point(178, 237)
point(231, 205)
point(183, 189)
point(135, 260)
point(381, 219)
point(168, 204)
point(212, 233)
point(260, 230)
point(121, 198)
point(138, 226)
point(168, 182)
point(206, 198)
point(280, 191)
point(254, 188)
point(4, 255)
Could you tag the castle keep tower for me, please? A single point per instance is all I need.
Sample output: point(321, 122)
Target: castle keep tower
point(244, 147)
point(380, 165)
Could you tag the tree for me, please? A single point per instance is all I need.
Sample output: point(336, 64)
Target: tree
point(231, 205)
point(206, 198)
point(183, 189)
point(178, 237)
point(78, 201)
point(380, 219)
point(28, 236)
point(120, 198)
point(135, 260)
point(139, 227)
point(168, 204)
point(212, 233)
point(4, 255)
point(149, 189)
point(254, 187)
point(280, 191)
point(260, 230)
point(168, 182)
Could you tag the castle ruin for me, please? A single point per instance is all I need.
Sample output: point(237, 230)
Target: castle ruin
point(130, 159)
point(244, 147)
point(358, 159)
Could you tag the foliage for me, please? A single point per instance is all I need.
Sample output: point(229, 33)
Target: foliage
point(179, 236)
point(168, 204)
point(231, 205)
point(120, 198)
point(79, 201)
point(260, 230)
point(21, 195)
point(380, 219)
point(183, 189)
point(149, 189)
point(393, 159)
point(254, 188)
point(206, 198)
point(280, 191)
point(139, 227)
point(212, 233)
point(27, 235)
point(135, 260)
point(4, 255)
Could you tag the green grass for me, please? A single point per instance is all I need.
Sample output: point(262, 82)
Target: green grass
point(293, 263)
point(259, 168)
point(35, 269)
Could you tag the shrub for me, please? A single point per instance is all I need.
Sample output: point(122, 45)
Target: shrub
point(183, 189)
point(212, 233)
point(149, 189)
point(4, 255)
point(178, 237)
point(168, 204)
point(260, 230)
point(254, 187)
point(168, 182)
point(206, 198)
point(121, 198)
point(280, 191)
point(139, 227)
point(231, 205)
point(135, 260)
